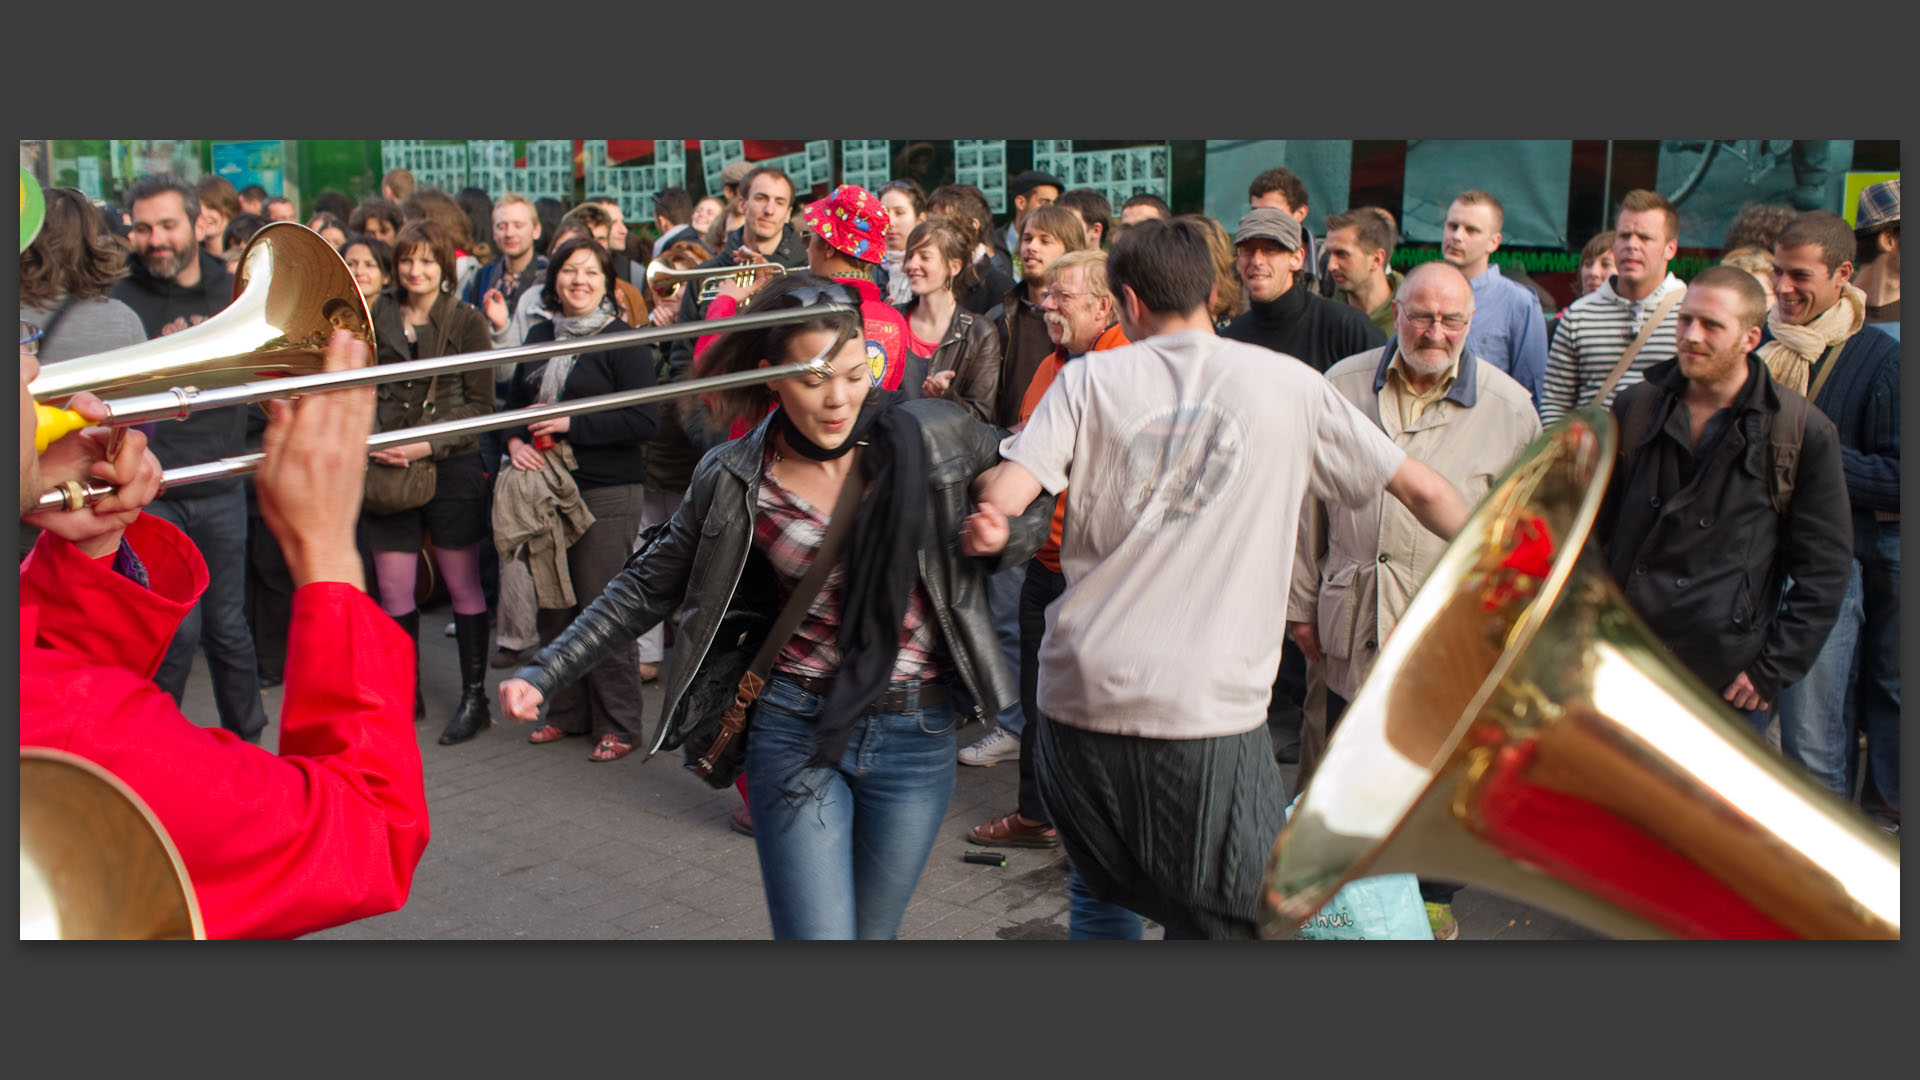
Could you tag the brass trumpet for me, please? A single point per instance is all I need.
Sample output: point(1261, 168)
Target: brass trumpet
point(1549, 747)
point(665, 281)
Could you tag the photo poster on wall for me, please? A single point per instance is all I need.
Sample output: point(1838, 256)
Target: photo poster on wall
point(543, 169)
point(632, 181)
point(866, 162)
point(1117, 174)
point(434, 163)
point(983, 164)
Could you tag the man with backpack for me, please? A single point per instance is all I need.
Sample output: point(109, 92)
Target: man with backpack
point(1725, 484)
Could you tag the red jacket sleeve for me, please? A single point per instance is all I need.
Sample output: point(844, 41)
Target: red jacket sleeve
point(277, 846)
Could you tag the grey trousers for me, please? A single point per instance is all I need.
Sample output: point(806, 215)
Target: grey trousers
point(607, 700)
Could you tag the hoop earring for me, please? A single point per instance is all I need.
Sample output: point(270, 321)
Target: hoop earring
point(446, 286)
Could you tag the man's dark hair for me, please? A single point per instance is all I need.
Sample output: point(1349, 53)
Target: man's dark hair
point(241, 229)
point(746, 182)
point(1824, 228)
point(373, 208)
point(254, 191)
point(674, 204)
point(332, 202)
point(270, 203)
point(1093, 208)
point(147, 187)
point(1756, 225)
point(548, 211)
point(1145, 199)
point(1866, 243)
point(1369, 228)
point(1753, 299)
point(965, 206)
point(1282, 180)
point(1167, 264)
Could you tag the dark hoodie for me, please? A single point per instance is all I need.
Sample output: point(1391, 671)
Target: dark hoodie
point(204, 436)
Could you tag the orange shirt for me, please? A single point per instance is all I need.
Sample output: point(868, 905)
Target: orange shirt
point(1049, 553)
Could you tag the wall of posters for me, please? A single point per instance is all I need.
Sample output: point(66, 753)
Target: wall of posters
point(983, 164)
point(632, 183)
point(866, 162)
point(1118, 174)
point(433, 163)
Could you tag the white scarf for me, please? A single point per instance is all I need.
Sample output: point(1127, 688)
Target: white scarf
point(1791, 354)
point(553, 380)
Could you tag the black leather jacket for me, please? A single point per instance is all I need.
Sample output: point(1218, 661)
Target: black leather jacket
point(702, 568)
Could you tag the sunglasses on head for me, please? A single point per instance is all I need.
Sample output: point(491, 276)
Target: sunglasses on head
point(811, 295)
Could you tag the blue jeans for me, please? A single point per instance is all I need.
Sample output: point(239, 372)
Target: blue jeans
point(1816, 714)
point(1093, 919)
point(1878, 697)
point(217, 525)
point(1003, 602)
point(841, 849)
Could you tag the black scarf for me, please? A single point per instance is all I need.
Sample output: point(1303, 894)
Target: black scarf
point(882, 561)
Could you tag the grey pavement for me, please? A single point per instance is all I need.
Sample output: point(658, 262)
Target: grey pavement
point(536, 842)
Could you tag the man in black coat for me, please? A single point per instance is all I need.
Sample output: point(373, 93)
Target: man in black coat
point(1690, 527)
point(171, 284)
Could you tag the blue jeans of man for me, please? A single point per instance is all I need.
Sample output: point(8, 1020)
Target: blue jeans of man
point(1816, 713)
point(1878, 696)
point(1003, 602)
point(1092, 919)
point(217, 525)
point(841, 849)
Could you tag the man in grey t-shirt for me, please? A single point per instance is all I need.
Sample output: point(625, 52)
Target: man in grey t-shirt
point(1189, 456)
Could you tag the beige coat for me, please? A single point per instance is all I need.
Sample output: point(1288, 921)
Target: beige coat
point(541, 510)
point(1355, 571)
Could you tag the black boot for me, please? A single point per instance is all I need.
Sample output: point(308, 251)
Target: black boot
point(410, 622)
point(474, 714)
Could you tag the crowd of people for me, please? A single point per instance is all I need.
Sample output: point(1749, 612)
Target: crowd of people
point(1249, 382)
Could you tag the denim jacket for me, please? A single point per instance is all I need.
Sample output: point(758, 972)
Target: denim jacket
point(702, 570)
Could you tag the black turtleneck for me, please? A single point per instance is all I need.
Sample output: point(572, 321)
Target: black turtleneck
point(1307, 326)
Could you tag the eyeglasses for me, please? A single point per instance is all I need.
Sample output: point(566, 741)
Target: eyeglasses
point(1061, 296)
point(30, 338)
point(1424, 320)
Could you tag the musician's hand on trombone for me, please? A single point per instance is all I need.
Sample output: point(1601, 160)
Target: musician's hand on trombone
point(520, 701)
point(314, 474)
point(402, 454)
point(92, 455)
point(666, 311)
point(524, 456)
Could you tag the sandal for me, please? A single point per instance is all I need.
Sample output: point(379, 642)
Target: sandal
point(610, 749)
point(546, 733)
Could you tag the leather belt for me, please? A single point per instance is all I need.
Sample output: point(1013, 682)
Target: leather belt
point(926, 695)
point(1886, 515)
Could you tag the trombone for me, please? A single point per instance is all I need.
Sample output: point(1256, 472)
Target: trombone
point(664, 280)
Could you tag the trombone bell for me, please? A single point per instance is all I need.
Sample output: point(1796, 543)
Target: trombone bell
point(1524, 731)
point(291, 293)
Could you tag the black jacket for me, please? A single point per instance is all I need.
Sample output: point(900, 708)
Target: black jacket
point(204, 436)
point(995, 278)
point(971, 348)
point(454, 327)
point(701, 568)
point(1024, 342)
point(1703, 560)
point(1307, 326)
point(608, 447)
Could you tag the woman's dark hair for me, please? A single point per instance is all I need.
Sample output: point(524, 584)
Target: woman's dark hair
point(241, 229)
point(479, 208)
point(911, 190)
point(1167, 264)
point(374, 207)
point(381, 253)
point(549, 292)
point(743, 350)
point(432, 204)
point(548, 211)
point(332, 202)
point(75, 256)
point(950, 242)
point(324, 220)
point(431, 235)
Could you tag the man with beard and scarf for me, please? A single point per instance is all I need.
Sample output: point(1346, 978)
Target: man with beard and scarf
point(1817, 342)
point(1356, 569)
point(171, 284)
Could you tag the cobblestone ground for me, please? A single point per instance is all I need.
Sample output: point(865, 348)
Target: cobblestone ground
point(537, 842)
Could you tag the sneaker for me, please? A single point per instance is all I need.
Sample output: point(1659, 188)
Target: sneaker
point(450, 630)
point(1012, 830)
point(1440, 918)
point(998, 745)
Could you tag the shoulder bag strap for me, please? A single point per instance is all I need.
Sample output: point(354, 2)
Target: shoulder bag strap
point(1826, 368)
point(755, 679)
point(1639, 342)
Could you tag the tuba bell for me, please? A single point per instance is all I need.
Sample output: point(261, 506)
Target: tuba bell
point(1525, 732)
point(94, 861)
point(291, 292)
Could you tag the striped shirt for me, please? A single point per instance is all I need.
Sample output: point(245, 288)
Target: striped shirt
point(1588, 341)
point(787, 529)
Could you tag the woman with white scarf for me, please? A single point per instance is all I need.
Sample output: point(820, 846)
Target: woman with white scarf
point(608, 449)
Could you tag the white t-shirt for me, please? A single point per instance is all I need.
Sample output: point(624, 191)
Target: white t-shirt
point(1190, 455)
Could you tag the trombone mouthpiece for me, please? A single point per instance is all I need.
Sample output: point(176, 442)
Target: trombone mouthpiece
point(53, 425)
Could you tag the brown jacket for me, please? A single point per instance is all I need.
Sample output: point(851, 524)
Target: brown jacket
point(454, 327)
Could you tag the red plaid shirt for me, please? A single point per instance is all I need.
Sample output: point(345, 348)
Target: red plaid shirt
point(787, 529)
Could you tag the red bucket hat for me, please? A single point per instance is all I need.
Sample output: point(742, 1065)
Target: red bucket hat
point(852, 221)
